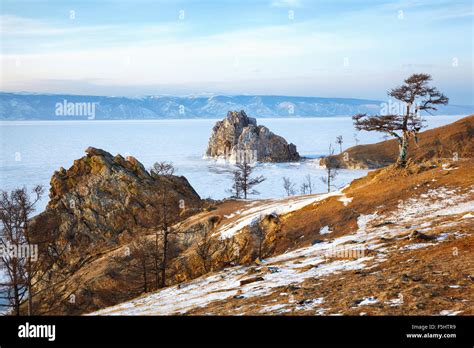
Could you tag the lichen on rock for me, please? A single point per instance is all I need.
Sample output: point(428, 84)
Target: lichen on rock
point(102, 198)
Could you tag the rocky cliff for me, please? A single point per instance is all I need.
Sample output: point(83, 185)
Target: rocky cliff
point(101, 203)
point(104, 200)
point(238, 135)
point(453, 141)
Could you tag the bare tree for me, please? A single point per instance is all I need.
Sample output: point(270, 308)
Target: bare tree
point(304, 188)
point(139, 259)
point(163, 168)
point(142, 251)
point(339, 141)
point(236, 190)
point(243, 182)
point(356, 139)
point(307, 185)
point(17, 256)
point(206, 248)
point(166, 231)
point(14, 289)
point(289, 186)
point(416, 96)
point(332, 169)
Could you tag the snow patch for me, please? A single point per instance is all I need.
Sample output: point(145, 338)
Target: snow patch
point(416, 246)
point(345, 200)
point(278, 206)
point(325, 230)
point(449, 312)
point(368, 301)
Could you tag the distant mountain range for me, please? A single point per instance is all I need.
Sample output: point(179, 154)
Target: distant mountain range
point(22, 106)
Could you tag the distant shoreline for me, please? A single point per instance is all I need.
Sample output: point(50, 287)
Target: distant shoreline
point(25, 122)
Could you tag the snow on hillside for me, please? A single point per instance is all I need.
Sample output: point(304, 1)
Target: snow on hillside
point(268, 207)
point(315, 261)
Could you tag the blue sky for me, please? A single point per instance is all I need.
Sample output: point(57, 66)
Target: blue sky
point(345, 48)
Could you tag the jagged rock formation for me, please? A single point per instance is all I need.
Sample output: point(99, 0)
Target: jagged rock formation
point(238, 135)
point(453, 141)
point(102, 200)
point(102, 204)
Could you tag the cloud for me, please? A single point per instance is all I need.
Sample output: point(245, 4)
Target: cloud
point(279, 50)
point(286, 3)
point(20, 26)
point(13, 27)
point(291, 56)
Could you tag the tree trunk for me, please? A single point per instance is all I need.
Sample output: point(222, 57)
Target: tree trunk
point(30, 289)
point(163, 265)
point(16, 291)
point(329, 180)
point(145, 278)
point(156, 262)
point(16, 294)
point(403, 147)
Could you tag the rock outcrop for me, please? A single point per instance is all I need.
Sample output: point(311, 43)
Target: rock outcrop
point(104, 199)
point(99, 208)
point(238, 135)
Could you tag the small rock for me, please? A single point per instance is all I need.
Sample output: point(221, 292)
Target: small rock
point(250, 280)
point(239, 295)
point(385, 223)
point(416, 235)
point(317, 241)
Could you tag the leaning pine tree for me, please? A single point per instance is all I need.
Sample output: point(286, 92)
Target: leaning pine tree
point(416, 96)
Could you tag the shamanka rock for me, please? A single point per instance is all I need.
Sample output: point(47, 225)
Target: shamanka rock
point(238, 135)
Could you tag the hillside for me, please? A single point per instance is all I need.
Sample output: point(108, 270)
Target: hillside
point(455, 139)
point(394, 242)
point(393, 234)
point(21, 106)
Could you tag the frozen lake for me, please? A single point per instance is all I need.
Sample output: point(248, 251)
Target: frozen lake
point(32, 150)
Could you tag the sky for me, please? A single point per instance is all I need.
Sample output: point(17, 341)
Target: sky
point(332, 48)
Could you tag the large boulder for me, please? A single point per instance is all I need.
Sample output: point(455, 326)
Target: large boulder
point(238, 135)
point(103, 200)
